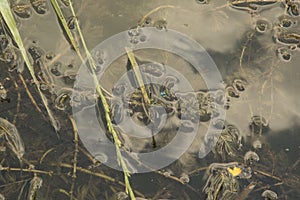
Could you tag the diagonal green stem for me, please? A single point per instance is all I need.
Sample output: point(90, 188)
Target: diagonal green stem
point(11, 23)
point(138, 75)
point(99, 89)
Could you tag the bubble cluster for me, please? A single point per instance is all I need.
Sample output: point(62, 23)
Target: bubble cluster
point(10, 55)
point(62, 100)
point(3, 93)
point(257, 144)
point(153, 69)
point(65, 2)
point(234, 90)
point(158, 117)
point(202, 1)
point(286, 21)
point(184, 178)
point(22, 10)
point(251, 7)
point(283, 29)
point(269, 195)
point(121, 196)
point(251, 157)
point(161, 24)
point(99, 57)
point(286, 33)
point(69, 77)
point(262, 25)
point(293, 8)
point(40, 6)
point(284, 54)
point(209, 104)
point(287, 38)
point(36, 53)
point(258, 125)
point(71, 23)
point(134, 35)
point(56, 69)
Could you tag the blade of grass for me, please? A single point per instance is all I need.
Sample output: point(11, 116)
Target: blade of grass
point(72, 39)
point(107, 111)
point(99, 89)
point(65, 25)
point(138, 75)
point(12, 26)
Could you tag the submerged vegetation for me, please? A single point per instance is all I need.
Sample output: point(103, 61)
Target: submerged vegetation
point(256, 155)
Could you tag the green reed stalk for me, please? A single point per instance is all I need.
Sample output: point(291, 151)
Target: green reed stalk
point(99, 89)
point(12, 26)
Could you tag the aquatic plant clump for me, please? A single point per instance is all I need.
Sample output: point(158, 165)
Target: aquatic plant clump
point(13, 139)
point(222, 182)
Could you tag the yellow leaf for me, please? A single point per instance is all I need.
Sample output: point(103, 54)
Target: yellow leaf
point(235, 171)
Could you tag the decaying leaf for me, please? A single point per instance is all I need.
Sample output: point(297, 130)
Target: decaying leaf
point(12, 137)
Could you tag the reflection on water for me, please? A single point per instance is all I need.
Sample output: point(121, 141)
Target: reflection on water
point(255, 45)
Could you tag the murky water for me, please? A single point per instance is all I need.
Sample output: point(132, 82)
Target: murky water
point(255, 152)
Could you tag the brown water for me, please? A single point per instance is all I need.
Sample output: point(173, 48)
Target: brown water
point(255, 44)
